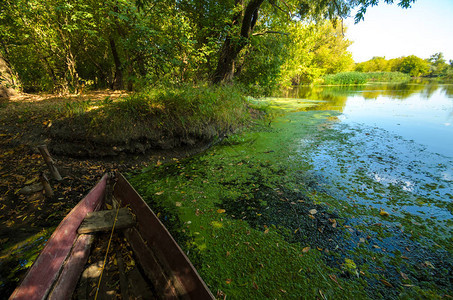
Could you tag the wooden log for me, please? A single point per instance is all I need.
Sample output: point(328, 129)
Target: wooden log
point(49, 161)
point(103, 220)
point(45, 183)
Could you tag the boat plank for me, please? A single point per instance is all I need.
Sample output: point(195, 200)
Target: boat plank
point(104, 220)
point(74, 266)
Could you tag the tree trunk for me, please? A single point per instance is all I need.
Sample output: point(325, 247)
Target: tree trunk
point(232, 46)
point(7, 83)
point(118, 78)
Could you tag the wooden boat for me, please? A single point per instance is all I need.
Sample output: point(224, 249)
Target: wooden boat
point(57, 271)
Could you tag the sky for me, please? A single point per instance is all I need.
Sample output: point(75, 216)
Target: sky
point(388, 30)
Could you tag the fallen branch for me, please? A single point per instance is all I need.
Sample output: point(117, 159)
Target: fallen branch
point(45, 183)
point(49, 161)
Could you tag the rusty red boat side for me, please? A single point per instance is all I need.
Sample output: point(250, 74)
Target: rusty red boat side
point(45, 270)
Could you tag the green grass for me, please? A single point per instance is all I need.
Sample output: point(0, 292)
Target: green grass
point(188, 113)
point(352, 78)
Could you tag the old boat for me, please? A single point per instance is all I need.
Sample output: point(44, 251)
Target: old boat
point(58, 271)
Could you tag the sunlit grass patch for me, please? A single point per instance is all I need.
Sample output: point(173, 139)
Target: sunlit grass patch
point(156, 118)
point(357, 78)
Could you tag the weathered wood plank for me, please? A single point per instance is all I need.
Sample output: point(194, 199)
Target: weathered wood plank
point(163, 282)
point(103, 220)
point(72, 269)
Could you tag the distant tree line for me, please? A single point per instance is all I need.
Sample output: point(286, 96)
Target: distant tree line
point(434, 66)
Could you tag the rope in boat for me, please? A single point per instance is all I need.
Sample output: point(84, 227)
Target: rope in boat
point(107, 252)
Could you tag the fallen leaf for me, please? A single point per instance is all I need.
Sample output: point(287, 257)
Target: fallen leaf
point(159, 193)
point(313, 211)
point(306, 249)
point(311, 217)
point(322, 295)
point(266, 231)
point(31, 180)
point(385, 282)
point(178, 204)
point(428, 264)
point(334, 222)
point(334, 279)
point(228, 281)
point(404, 276)
point(221, 210)
point(362, 240)
point(255, 285)
point(384, 213)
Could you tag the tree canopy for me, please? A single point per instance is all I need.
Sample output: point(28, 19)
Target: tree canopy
point(61, 46)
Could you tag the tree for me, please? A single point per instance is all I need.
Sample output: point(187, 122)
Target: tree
point(414, 66)
point(437, 64)
point(8, 84)
point(314, 50)
point(376, 64)
point(246, 18)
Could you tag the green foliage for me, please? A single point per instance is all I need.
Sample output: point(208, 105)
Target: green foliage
point(414, 66)
point(314, 50)
point(438, 65)
point(63, 46)
point(345, 78)
point(351, 78)
point(157, 115)
point(261, 64)
point(376, 64)
point(387, 77)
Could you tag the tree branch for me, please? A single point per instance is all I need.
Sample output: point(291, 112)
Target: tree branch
point(270, 31)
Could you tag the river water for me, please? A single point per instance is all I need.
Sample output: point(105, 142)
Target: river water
point(342, 192)
point(398, 135)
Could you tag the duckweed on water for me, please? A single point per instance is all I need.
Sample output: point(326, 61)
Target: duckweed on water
point(284, 211)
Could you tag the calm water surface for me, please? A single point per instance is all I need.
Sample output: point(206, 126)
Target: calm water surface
point(422, 113)
point(389, 141)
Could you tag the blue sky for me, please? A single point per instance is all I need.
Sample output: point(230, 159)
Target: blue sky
point(390, 31)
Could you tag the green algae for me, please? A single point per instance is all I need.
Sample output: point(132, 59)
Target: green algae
point(242, 210)
point(17, 258)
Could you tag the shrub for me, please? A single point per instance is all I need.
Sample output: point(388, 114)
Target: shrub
point(345, 78)
point(351, 78)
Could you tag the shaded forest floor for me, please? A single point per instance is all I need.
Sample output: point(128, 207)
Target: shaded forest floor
point(27, 220)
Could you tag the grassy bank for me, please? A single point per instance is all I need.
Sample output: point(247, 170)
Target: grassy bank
point(351, 78)
point(158, 118)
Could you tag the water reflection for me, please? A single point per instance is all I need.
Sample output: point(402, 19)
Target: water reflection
point(414, 111)
point(338, 95)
